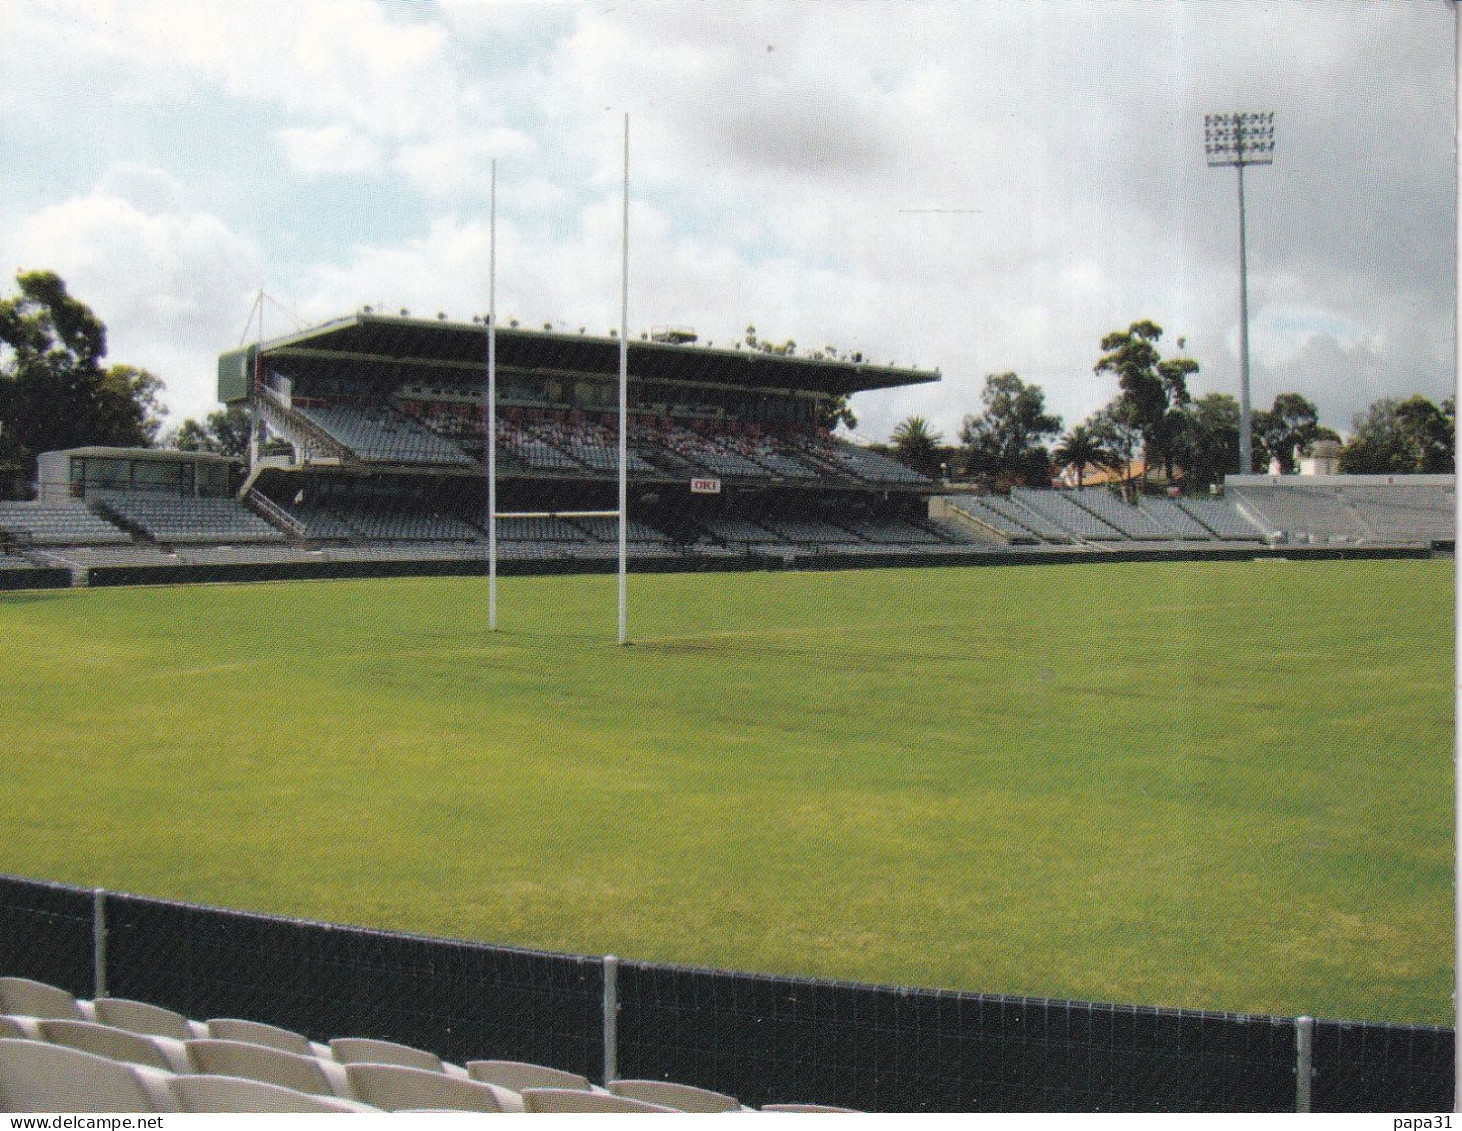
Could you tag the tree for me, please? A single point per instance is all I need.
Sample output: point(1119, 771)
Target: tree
point(1154, 389)
point(838, 411)
point(54, 392)
point(1004, 444)
point(1287, 430)
point(1402, 437)
point(1212, 448)
point(916, 445)
point(1118, 441)
point(225, 432)
point(1080, 448)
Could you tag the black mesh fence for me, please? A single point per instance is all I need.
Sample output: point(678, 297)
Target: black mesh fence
point(46, 934)
point(1365, 1067)
point(769, 1040)
point(763, 1039)
point(463, 1001)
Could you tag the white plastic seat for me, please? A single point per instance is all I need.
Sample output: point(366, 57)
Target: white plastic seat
point(28, 998)
point(117, 1044)
point(572, 1101)
point(35, 1076)
point(214, 1057)
point(20, 1028)
point(681, 1097)
point(394, 1087)
point(143, 1017)
point(810, 1108)
point(518, 1075)
point(368, 1050)
point(258, 1033)
point(235, 1094)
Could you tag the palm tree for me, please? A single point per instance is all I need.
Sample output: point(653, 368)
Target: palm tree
point(916, 445)
point(1080, 448)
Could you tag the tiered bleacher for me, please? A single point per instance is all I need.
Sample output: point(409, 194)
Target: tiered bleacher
point(58, 1053)
point(381, 433)
point(1351, 509)
point(1175, 520)
point(1061, 510)
point(57, 524)
point(170, 519)
point(1120, 516)
point(1222, 520)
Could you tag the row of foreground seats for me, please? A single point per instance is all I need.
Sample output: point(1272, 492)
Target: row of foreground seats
point(58, 1053)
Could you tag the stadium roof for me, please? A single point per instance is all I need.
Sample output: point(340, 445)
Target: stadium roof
point(433, 345)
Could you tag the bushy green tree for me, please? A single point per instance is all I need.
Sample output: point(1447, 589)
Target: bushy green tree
point(1080, 448)
point(916, 445)
point(1401, 438)
point(1005, 444)
point(54, 391)
point(225, 431)
point(1285, 431)
point(1212, 441)
point(1154, 389)
point(1118, 441)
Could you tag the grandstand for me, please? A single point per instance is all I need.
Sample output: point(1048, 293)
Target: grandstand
point(375, 428)
point(383, 416)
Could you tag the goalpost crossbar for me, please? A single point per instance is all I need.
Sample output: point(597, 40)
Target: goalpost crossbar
point(556, 514)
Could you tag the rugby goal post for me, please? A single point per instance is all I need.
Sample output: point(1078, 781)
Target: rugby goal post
point(622, 513)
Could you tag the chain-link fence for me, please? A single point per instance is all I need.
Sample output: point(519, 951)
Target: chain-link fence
point(763, 1039)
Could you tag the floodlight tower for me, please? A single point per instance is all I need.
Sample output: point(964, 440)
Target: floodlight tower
point(1240, 140)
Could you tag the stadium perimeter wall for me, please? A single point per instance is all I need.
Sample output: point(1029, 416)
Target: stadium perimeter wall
point(213, 572)
point(764, 1039)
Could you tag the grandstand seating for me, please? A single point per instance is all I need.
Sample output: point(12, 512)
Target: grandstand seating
point(1036, 522)
point(1059, 509)
point(170, 518)
point(1405, 513)
point(389, 524)
point(1178, 522)
point(1121, 516)
point(59, 1056)
point(861, 463)
point(1220, 517)
point(991, 514)
point(381, 434)
point(1316, 513)
point(58, 524)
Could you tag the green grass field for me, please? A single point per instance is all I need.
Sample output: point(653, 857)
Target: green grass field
point(1221, 785)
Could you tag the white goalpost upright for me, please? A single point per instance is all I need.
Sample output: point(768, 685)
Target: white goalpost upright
point(622, 512)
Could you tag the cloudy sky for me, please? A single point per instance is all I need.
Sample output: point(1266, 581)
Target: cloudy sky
point(977, 186)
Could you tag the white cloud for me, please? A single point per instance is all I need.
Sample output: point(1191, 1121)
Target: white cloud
point(170, 283)
point(458, 165)
point(785, 157)
point(329, 149)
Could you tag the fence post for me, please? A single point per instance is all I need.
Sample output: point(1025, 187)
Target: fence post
point(99, 943)
point(1304, 1061)
point(611, 1018)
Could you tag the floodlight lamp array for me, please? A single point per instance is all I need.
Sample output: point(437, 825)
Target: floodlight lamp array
point(1239, 139)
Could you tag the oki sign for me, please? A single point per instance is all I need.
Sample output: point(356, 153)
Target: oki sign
point(705, 486)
